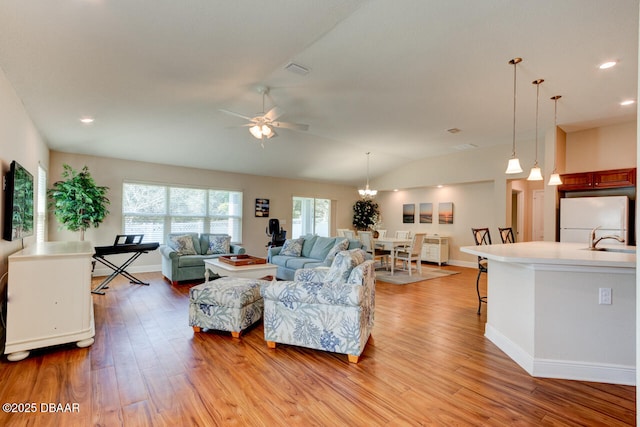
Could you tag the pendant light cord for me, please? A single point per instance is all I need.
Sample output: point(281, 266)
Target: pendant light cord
point(537, 83)
point(513, 145)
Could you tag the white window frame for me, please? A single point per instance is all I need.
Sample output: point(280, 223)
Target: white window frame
point(41, 205)
point(308, 222)
point(172, 218)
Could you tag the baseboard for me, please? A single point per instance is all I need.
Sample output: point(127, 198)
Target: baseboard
point(104, 271)
point(562, 369)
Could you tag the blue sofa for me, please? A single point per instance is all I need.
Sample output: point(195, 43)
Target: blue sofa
point(315, 253)
point(177, 267)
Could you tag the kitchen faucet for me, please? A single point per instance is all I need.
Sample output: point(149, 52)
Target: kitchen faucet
point(593, 241)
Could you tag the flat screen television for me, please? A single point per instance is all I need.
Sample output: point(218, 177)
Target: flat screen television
point(18, 203)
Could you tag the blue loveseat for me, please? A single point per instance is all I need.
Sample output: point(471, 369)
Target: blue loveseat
point(177, 267)
point(315, 253)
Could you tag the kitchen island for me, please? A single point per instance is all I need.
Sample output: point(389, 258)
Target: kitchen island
point(545, 311)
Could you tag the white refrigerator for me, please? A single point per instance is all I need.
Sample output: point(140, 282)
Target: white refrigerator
point(578, 216)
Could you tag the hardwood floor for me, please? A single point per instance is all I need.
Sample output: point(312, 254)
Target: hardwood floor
point(427, 363)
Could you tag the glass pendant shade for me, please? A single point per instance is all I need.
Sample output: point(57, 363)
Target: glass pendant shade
point(256, 131)
point(514, 163)
point(514, 166)
point(554, 179)
point(535, 174)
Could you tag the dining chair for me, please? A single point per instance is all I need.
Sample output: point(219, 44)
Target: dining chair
point(366, 238)
point(349, 234)
point(403, 234)
point(382, 233)
point(506, 234)
point(409, 253)
point(482, 237)
point(340, 232)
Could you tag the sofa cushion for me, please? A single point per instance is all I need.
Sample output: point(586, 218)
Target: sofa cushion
point(183, 244)
point(307, 246)
point(321, 247)
point(339, 246)
point(292, 247)
point(219, 245)
point(295, 263)
point(193, 260)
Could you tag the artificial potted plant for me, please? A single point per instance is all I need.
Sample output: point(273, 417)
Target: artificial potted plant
point(365, 214)
point(77, 202)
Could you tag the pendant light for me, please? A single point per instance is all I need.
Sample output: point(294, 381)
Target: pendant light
point(536, 173)
point(514, 164)
point(554, 179)
point(367, 193)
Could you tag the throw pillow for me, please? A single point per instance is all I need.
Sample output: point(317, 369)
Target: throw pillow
point(341, 245)
point(292, 247)
point(182, 244)
point(219, 245)
point(342, 265)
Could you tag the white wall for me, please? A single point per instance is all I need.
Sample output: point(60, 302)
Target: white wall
point(113, 172)
point(471, 209)
point(20, 141)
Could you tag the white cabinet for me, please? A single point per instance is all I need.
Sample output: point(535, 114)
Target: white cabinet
point(49, 297)
point(435, 249)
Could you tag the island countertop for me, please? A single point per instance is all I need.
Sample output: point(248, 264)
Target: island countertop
point(555, 253)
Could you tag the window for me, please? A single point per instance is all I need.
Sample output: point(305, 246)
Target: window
point(157, 210)
point(41, 213)
point(310, 216)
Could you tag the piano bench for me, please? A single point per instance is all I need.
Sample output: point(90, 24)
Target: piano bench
point(227, 304)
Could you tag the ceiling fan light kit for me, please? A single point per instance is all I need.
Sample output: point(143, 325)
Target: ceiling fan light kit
point(262, 127)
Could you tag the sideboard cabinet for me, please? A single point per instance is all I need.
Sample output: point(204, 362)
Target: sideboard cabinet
point(49, 297)
point(435, 249)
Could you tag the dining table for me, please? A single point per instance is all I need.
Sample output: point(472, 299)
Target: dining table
point(390, 244)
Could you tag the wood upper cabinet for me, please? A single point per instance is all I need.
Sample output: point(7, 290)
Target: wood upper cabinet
point(599, 179)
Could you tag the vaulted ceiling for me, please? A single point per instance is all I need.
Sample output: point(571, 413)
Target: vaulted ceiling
point(386, 77)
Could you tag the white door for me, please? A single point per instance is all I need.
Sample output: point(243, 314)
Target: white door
point(537, 217)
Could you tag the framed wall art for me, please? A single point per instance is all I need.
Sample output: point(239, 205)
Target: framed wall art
point(262, 208)
point(408, 214)
point(445, 213)
point(426, 213)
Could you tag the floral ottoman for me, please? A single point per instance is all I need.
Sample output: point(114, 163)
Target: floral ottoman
point(226, 304)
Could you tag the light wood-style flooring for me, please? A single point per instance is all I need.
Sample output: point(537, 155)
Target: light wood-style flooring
point(427, 363)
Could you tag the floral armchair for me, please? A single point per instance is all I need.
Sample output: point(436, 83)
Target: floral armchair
point(325, 308)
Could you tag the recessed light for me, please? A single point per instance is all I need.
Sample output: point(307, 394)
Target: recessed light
point(608, 64)
point(453, 130)
point(86, 120)
point(627, 102)
point(440, 186)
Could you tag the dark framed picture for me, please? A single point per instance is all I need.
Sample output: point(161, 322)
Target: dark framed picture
point(408, 214)
point(445, 213)
point(262, 208)
point(426, 213)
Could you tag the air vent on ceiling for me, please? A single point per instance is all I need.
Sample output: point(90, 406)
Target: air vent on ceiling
point(297, 68)
point(463, 147)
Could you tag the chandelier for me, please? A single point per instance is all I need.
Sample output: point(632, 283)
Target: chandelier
point(367, 193)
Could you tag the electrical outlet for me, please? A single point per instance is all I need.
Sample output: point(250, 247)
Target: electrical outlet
point(604, 296)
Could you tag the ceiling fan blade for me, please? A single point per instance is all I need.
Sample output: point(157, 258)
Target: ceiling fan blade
point(294, 126)
point(233, 113)
point(273, 114)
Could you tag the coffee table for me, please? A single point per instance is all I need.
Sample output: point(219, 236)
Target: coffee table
point(253, 271)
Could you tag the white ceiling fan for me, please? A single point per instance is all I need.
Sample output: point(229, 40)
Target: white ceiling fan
point(263, 126)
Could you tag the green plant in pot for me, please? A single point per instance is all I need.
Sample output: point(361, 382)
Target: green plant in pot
point(77, 202)
point(365, 214)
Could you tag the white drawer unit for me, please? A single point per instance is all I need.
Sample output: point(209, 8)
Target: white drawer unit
point(435, 249)
point(49, 297)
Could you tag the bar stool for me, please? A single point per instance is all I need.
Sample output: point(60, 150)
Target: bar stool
point(482, 237)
